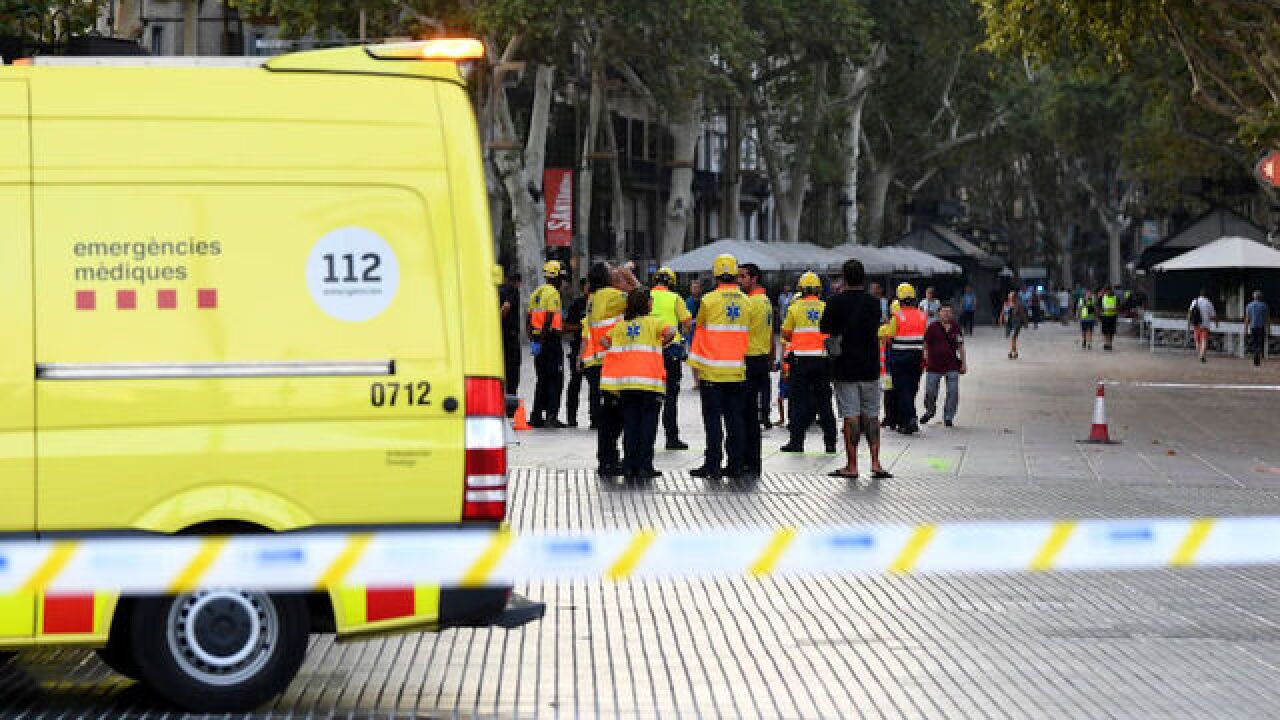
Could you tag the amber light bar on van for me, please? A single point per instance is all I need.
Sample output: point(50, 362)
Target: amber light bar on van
point(485, 494)
point(449, 49)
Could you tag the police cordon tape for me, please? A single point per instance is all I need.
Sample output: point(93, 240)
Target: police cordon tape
point(312, 561)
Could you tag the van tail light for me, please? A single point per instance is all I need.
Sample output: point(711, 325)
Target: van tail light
point(485, 492)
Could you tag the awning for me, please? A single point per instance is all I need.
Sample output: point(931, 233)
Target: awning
point(701, 259)
point(1234, 253)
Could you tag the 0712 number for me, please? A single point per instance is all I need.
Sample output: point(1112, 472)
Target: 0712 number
point(393, 393)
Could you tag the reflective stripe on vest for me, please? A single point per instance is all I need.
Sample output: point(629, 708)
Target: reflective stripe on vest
point(912, 322)
point(594, 350)
point(807, 338)
point(637, 364)
point(722, 342)
point(543, 312)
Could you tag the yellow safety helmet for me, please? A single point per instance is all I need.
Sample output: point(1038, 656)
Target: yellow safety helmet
point(906, 292)
point(810, 280)
point(553, 269)
point(665, 276)
point(725, 265)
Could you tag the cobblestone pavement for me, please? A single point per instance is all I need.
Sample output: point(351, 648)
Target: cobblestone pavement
point(1202, 643)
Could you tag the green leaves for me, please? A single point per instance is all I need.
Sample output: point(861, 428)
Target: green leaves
point(48, 20)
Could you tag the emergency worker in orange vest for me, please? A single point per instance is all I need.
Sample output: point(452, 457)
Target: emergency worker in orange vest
point(905, 334)
point(809, 386)
point(718, 359)
point(635, 373)
point(605, 309)
point(546, 323)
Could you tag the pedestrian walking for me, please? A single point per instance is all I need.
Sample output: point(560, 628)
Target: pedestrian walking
point(760, 352)
point(509, 302)
point(634, 374)
point(1199, 316)
point(1064, 305)
point(1109, 311)
point(1037, 310)
point(1013, 316)
point(968, 310)
point(1087, 311)
point(546, 323)
point(810, 369)
point(1257, 315)
point(930, 305)
point(671, 309)
point(784, 382)
point(605, 309)
point(692, 304)
point(996, 298)
point(852, 320)
point(719, 361)
point(944, 359)
point(785, 298)
point(574, 315)
point(876, 290)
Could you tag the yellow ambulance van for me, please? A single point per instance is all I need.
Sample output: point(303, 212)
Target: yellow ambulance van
point(245, 297)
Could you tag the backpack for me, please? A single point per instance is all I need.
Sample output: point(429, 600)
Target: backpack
point(1196, 318)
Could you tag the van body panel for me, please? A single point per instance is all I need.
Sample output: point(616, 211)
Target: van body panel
point(17, 381)
point(482, 345)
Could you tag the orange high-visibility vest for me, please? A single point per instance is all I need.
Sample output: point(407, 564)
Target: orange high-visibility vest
point(604, 309)
point(634, 358)
point(720, 345)
point(912, 322)
point(544, 310)
point(804, 320)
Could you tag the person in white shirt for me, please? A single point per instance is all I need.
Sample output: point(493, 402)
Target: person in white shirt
point(931, 305)
point(1199, 315)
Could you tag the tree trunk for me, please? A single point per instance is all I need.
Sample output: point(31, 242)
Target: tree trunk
point(585, 180)
point(618, 213)
point(853, 150)
point(521, 172)
point(877, 203)
point(857, 85)
point(685, 127)
point(1113, 252)
point(128, 20)
point(190, 27)
point(731, 206)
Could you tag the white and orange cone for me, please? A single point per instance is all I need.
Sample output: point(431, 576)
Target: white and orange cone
point(1099, 434)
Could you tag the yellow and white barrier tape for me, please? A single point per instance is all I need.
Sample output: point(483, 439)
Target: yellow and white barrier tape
point(309, 561)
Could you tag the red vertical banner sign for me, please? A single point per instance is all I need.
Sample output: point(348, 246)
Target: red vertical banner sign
point(557, 185)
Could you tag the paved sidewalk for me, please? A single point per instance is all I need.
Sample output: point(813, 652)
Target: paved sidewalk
point(1201, 643)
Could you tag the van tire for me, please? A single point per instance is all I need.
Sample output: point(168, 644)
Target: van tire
point(118, 656)
point(178, 646)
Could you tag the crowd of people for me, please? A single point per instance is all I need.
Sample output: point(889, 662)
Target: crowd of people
point(632, 342)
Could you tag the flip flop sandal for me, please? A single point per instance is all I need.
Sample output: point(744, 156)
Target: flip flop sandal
point(844, 475)
point(882, 475)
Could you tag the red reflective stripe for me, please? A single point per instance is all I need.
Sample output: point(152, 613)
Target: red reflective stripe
point(388, 603)
point(68, 614)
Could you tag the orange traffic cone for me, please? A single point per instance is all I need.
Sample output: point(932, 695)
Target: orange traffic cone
point(1099, 434)
point(521, 420)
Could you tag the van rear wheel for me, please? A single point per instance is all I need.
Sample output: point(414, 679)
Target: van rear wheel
point(219, 650)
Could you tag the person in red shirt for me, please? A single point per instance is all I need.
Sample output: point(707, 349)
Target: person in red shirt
point(943, 358)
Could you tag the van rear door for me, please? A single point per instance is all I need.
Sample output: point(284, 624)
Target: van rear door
point(247, 305)
point(17, 400)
